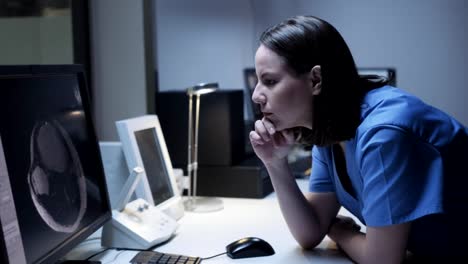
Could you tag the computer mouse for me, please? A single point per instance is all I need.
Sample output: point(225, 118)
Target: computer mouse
point(249, 247)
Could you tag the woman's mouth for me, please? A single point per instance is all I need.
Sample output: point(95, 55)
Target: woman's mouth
point(269, 116)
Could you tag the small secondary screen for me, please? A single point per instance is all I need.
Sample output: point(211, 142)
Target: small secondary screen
point(155, 169)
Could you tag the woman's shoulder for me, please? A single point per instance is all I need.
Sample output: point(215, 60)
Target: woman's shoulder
point(393, 107)
point(388, 100)
point(390, 106)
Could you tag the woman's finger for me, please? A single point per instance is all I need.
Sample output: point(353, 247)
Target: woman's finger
point(255, 138)
point(283, 138)
point(288, 135)
point(261, 130)
point(269, 126)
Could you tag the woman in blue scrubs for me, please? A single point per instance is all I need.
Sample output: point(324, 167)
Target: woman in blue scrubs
point(396, 163)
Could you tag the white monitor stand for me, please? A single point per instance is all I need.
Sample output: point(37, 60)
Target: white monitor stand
point(137, 224)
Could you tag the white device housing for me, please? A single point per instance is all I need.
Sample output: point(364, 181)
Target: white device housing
point(139, 226)
point(128, 131)
point(115, 169)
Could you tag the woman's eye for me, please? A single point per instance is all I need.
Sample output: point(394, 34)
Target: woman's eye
point(269, 82)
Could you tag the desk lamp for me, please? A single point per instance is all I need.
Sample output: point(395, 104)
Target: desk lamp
point(194, 203)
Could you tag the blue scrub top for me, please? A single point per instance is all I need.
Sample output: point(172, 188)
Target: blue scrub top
point(407, 162)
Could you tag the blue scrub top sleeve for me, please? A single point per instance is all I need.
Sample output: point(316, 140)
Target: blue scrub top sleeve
point(402, 176)
point(320, 178)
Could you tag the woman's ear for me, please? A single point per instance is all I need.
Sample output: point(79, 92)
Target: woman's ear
point(315, 76)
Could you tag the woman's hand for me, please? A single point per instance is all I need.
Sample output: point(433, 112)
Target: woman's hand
point(270, 145)
point(342, 223)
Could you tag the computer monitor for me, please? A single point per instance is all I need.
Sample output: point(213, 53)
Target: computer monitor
point(144, 146)
point(53, 192)
point(250, 80)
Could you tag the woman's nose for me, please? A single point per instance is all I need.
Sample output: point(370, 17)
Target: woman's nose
point(257, 97)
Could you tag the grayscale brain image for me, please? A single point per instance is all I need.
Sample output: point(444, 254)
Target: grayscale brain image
point(56, 180)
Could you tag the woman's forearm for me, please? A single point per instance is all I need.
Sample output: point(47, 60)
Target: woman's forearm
point(302, 220)
point(350, 240)
point(379, 244)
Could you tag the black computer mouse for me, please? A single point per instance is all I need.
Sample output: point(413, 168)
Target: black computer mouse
point(249, 247)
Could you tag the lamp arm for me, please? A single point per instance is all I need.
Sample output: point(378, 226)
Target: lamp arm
point(189, 151)
point(195, 152)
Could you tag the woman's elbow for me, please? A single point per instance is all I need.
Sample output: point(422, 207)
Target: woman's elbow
point(309, 243)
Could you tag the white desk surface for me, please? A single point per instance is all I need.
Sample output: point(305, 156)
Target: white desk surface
point(207, 234)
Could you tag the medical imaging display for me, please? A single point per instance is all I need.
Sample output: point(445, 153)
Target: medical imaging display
point(52, 160)
point(56, 180)
point(153, 162)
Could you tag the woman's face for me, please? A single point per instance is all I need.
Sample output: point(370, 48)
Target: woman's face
point(284, 98)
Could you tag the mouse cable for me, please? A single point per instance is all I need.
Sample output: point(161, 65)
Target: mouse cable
point(217, 255)
point(97, 253)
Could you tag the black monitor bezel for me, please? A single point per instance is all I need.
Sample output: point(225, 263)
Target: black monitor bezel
point(9, 71)
point(250, 81)
point(388, 72)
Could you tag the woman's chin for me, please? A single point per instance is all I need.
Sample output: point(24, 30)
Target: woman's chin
point(281, 127)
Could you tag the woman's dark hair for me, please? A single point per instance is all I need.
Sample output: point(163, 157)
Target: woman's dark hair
point(306, 41)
